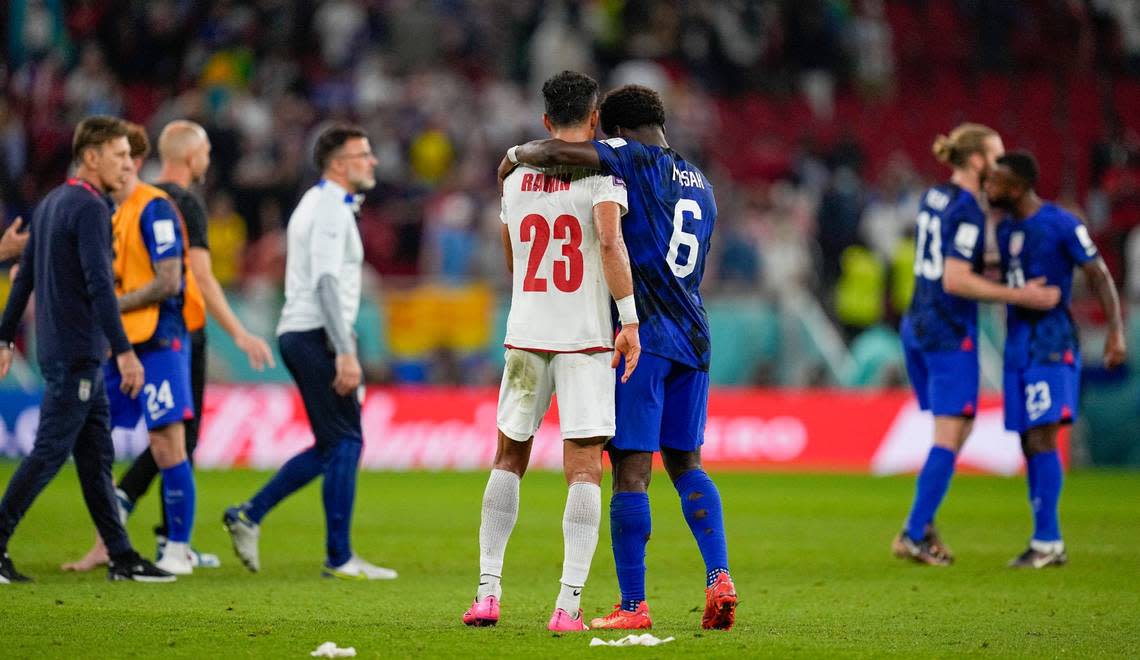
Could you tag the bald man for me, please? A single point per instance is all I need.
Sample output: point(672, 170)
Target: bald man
point(184, 149)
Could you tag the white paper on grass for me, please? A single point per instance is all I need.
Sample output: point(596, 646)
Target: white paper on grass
point(331, 650)
point(631, 640)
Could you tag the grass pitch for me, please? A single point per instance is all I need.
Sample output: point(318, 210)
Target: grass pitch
point(809, 555)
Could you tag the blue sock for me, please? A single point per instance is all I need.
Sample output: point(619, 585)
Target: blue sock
point(630, 526)
point(700, 502)
point(931, 487)
point(338, 491)
point(298, 471)
point(178, 498)
point(1046, 470)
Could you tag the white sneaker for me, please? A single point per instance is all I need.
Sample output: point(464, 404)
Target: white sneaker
point(358, 569)
point(204, 559)
point(197, 559)
point(244, 533)
point(176, 559)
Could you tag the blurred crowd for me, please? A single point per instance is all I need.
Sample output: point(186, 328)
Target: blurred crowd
point(812, 118)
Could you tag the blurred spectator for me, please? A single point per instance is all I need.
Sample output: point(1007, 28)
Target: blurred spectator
point(812, 119)
point(227, 235)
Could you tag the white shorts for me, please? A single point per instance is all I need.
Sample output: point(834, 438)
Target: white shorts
point(585, 385)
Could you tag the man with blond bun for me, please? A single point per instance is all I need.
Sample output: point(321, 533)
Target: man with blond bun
point(184, 149)
point(940, 330)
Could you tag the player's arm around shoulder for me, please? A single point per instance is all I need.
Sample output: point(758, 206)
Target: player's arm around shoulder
point(549, 153)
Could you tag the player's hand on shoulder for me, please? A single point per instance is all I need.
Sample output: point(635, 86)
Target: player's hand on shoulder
point(256, 350)
point(627, 345)
point(132, 373)
point(1115, 349)
point(348, 374)
point(1036, 294)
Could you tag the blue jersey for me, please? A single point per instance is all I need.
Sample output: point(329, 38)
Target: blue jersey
point(161, 228)
point(667, 230)
point(950, 224)
point(1048, 244)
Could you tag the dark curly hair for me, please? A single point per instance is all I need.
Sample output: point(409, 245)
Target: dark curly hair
point(1023, 165)
point(631, 106)
point(570, 97)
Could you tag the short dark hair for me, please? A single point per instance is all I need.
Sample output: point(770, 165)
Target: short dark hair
point(631, 106)
point(331, 139)
point(140, 143)
point(1023, 165)
point(570, 97)
point(95, 131)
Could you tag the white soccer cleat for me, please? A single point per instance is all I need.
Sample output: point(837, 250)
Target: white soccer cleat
point(176, 559)
point(244, 533)
point(358, 569)
point(124, 505)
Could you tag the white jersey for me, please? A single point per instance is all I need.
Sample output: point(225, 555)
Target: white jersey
point(322, 239)
point(560, 300)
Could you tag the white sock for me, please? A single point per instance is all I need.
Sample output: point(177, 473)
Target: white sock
point(569, 599)
point(500, 510)
point(580, 524)
point(489, 585)
point(180, 550)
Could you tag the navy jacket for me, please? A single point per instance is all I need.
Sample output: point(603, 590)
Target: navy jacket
point(68, 263)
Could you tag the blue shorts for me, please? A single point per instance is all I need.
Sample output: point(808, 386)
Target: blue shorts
point(945, 382)
point(1041, 394)
point(664, 404)
point(166, 396)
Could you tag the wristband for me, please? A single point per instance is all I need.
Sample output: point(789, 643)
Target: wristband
point(627, 310)
point(10, 345)
point(512, 154)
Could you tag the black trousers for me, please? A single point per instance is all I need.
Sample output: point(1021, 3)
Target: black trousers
point(142, 472)
point(75, 420)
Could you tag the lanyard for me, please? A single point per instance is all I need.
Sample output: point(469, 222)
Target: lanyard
point(74, 181)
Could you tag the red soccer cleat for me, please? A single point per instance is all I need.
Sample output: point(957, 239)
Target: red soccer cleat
point(720, 604)
point(620, 619)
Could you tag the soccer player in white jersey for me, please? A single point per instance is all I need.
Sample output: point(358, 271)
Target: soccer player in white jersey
point(322, 296)
point(563, 243)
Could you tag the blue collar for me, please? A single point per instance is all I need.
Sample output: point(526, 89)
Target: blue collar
point(352, 200)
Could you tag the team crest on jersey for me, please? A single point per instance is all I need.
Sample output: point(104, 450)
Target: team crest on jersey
point(84, 389)
point(1016, 243)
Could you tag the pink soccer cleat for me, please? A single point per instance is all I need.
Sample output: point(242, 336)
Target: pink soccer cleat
point(482, 613)
point(562, 621)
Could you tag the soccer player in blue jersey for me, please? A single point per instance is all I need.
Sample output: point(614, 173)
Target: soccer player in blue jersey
point(663, 406)
point(1042, 352)
point(939, 331)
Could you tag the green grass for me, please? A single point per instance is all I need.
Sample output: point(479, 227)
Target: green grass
point(809, 556)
